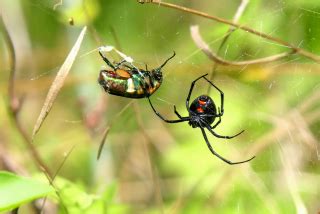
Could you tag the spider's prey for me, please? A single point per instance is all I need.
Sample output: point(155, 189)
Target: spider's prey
point(126, 80)
point(202, 114)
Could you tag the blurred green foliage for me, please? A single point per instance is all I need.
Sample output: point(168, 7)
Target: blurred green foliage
point(148, 166)
point(17, 190)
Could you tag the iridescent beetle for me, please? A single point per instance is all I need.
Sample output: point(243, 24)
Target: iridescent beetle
point(129, 81)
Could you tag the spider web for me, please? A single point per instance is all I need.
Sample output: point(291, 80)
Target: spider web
point(276, 103)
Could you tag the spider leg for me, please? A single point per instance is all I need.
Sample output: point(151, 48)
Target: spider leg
point(191, 89)
point(176, 112)
point(182, 119)
point(220, 136)
point(216, 154)
point(215, 125)
point(221, 96)
point(107, 61)
point(219, 113)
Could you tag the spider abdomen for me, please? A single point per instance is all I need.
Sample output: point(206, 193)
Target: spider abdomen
point(204, 109)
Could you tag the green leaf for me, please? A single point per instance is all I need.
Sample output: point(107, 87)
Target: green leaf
point(16, 190)
point(74, 197)
point(109, 194)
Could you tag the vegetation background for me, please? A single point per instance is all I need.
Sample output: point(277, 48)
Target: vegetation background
point(146, 165)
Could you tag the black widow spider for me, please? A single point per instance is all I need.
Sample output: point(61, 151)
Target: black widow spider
point(202, 113)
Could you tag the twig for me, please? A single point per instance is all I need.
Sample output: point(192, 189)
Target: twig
point(9, 163)
point(15, 103)
point(66, 156)
point(300, 51)
point(103, 140)
point(14, 108)
point(231, 29)
point(239, 12)
point(205, 48)
point(153, 170)
point(108, 127)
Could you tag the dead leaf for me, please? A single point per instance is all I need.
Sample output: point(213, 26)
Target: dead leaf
point(58, 82)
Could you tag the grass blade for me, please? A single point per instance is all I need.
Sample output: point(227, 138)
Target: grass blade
point(58, 82)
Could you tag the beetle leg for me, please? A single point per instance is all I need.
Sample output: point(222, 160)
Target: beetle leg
point(107, 61)
point(120, 63)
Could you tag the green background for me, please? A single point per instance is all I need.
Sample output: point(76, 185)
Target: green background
point(146, 165)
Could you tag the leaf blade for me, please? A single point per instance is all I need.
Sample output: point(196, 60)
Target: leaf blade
point(58, 82)
point(16, 190)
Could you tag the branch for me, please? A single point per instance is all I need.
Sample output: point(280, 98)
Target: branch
point(295, 49)
point(206, 49)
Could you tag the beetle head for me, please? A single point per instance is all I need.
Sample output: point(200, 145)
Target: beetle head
point(157, 71)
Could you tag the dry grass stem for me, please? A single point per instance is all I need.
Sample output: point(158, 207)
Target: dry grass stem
point(239, 12)
point(15, 103)
point(214, 57)
point(109, 126)
point(103, 141)
point(236, 17)
point(152, 170)
point(58, 82)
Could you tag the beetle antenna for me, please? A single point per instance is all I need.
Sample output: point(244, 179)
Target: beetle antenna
point(174, 53)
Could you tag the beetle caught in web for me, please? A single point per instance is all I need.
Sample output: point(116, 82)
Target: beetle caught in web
point(202, 114)
point(126, 80)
